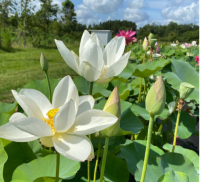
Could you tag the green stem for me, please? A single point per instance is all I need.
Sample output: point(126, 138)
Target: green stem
point(104, 159)
point(147, 148)
point(176, 129)
point(139, 97)
point(57, 167)
point(91, 87)
point(97, 160)
point(48, 82)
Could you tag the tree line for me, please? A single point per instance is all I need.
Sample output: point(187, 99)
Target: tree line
point(21, 22)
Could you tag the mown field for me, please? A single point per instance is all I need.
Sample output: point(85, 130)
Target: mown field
point(23, 65)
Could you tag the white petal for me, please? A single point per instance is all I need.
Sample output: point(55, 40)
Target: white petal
point(65, 117)
point(65, 91)
point(33, 126)
point(92, 121)
point(10, 132)
point(110, 52)
point(67, 56)
point(88, 43)
point(85, 103)
point(118, 66)
point(103, 80)
point(95, 39)
point(71, 146)
point(47, 141)
point(39, 98)
point(28, 105)
point(91, 156)
point(120, 48)
point(93, 55)
point(76, 57)
point(89, 72)
point(84, 39)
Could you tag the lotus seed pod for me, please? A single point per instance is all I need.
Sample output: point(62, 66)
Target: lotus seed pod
point(44, 63)
point(145, 43)
point(151, 36)
point(152, 42)
point(156, 97)
point(158, 50)
point(185, 90)
point(113, 106)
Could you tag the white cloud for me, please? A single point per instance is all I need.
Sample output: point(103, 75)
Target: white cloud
point(103, 6)
point(187, 14)
point(135, 15)
point(135, 4)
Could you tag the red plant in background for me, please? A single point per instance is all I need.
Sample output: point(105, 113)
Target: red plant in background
point(197, 60)
point(128, 35)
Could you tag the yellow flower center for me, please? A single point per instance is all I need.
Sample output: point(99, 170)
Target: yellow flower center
point(51, 113)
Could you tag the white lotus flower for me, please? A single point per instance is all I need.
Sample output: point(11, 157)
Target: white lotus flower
point(156, 55)
point(63, 124)
point(174, 45)
point(94, 62)
point(194, 43)
point(182, 46)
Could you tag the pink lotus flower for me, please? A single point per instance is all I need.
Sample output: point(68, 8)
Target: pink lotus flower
point(187, 45)
point(197, 60)
point(156, 44)
point(128, 35)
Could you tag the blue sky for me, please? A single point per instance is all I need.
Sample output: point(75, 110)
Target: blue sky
point(139, 11)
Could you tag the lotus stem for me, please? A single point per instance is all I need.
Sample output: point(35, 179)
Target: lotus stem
point(97, 159)
point(57, 166)
point(147, 148)
point(48, 82)
point(176, 129)
point(139, 97)
point(104, 159)
point(91, 87)
point(132, 137)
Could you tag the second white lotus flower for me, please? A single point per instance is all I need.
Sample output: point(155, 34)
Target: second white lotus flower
point(63, 124)
point(94, 62)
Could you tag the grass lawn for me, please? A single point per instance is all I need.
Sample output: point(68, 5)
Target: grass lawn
point(23, 65)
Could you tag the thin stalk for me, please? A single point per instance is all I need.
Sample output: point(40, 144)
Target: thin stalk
point(57, 166)
point(104, 159)
point(97, 160)
point(147, 148)
point(139, 97)
point(91, 87)
point(176, 129)
point(144, 92)
point(132, 137)
point(48, 82)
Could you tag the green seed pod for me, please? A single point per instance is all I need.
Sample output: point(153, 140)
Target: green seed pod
point(156, 97)
point(113, 106)
point(152, 42)
point(185, 90)
point(44, 63)
point(151, 36)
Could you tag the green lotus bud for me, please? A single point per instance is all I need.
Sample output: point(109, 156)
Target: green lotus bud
point(156, 97)
point(151, 36)
point(152, 42)
point(145, 43)
point(185, 90)
point(113, 106)
point(44, 63)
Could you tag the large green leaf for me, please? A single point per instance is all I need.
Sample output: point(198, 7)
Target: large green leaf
point(174, 176)
point(116, 169)
point(190, 154)
point(7, 108)
point(4, 118)
point(180, 71)
point(42, 86)
point(187, 124)
point(127, 72)
point(157, 166)
point(18, 153)
point(148, 69)
point(135, 151)
point(3, 159)
point(45, 167)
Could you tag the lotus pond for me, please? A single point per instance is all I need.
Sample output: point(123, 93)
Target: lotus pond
point(124, 118)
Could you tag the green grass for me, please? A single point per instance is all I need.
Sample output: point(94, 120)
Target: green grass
point(23, 65)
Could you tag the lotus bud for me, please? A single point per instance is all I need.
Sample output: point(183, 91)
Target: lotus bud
point(44, 63)
point(158, 50)
point(156, 44)
point(113, 106)
point(145, 43)
point(151, 36)
point(152, 42)
point(185, 90)
point(156, 98)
